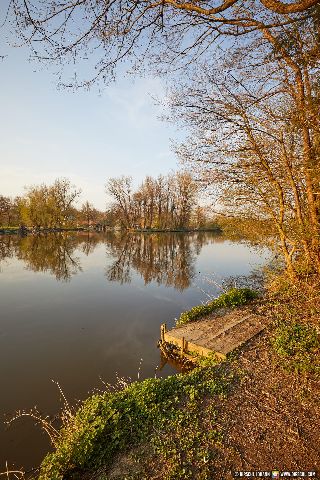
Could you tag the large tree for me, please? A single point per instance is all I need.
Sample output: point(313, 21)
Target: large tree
point(255, 133)
point(5, 207)
point(89, 213)
point(50, 206)
point(170, 33)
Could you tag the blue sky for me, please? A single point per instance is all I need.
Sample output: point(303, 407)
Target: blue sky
point(87, 136)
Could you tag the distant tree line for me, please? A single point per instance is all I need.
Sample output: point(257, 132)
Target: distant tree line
point(165, 202)
point(48, 206)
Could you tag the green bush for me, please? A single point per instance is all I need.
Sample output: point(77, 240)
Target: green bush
point(113, 422)
point(232, 298)
point(298, 345)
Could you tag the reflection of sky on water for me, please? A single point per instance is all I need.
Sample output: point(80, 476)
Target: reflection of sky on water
point(87, 327)
point(224, 259)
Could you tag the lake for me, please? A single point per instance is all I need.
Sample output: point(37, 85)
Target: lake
point(82, 308)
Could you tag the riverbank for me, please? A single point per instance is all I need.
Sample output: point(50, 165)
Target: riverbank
point(29, 230)
point(258, 410)
point(215, 229)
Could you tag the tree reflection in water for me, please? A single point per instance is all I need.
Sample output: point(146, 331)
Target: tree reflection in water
point(53, 253)
point(7, 247)
point(89, 241)
point(164, 258)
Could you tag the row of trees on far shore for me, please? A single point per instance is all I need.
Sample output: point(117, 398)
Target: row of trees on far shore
point(48, 206)
point(167, 202)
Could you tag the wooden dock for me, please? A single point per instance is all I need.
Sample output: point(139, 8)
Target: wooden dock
point(217, 334)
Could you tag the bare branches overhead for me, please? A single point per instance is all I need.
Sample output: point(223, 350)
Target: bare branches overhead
point(166, 34)
point(285, 8)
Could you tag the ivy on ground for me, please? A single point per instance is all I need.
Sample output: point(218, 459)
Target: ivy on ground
point(113, 422)
point(298, 346)
point(232, 298)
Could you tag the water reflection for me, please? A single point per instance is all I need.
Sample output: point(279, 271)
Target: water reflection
point(7, 247)
point(53, 253)
point(178, 364)
point(164, 258)
point(98, 323)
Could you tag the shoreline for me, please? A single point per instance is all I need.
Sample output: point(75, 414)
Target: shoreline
point(229, 413)
point(30, 231)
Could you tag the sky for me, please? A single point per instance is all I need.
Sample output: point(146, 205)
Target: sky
point(86, 136)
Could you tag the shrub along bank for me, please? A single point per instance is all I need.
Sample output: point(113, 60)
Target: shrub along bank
point(167, 413)
point(234, 297)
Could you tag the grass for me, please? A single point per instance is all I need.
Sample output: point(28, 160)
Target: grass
point(232, 298)
point(167, 413)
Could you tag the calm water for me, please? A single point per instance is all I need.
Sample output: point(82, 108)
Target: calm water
point(80, 308)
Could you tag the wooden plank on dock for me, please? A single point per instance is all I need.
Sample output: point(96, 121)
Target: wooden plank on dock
point(216, 334)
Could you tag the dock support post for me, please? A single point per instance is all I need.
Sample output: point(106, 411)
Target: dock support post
point(163, 330)
point(183, 349)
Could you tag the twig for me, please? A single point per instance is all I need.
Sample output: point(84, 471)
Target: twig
point(13, 472)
